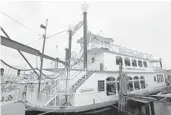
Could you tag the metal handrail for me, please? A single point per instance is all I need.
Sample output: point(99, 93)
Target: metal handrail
point(74, 73)
point(77, 74)
point(91, 72)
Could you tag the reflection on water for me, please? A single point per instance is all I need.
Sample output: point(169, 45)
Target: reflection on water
point(162, 108)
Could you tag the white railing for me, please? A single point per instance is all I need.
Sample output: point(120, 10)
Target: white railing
point(36, 98)
point(57, 99)
point(8, 94)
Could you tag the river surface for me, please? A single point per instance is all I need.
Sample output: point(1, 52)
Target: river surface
point(162, 109)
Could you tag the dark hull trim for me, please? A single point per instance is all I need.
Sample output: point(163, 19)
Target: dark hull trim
point(71, 109)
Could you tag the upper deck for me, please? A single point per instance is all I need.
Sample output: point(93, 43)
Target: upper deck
point(95, 41)
point(103, 54)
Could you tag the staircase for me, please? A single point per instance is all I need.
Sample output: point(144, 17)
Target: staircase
point(80, 81)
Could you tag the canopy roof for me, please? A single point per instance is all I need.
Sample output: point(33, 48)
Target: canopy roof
point(93, 36)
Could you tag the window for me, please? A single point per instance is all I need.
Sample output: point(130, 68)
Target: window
point(127, 62)
point(92, 60)
point(155, 78)
point(101, 66)
point(145, 63)
point(130, 84)
point(142, 82)
point(110, 86)
point(160, 78)
point(139, 63)
point(101, 85)
point(118, 79)
point(136, 83)
point(134, 63)
point(18, 73)
point(118, 60)
point(101, 42)
point(2, 71)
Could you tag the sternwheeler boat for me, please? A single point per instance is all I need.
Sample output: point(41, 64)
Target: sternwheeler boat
point(90, 80)
point(79, 90)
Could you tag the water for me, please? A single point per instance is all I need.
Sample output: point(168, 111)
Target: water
point(162, 108)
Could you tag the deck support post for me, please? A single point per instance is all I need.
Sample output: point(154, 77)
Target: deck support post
point(122, 91)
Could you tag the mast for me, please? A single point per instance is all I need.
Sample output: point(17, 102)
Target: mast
point(84, 7)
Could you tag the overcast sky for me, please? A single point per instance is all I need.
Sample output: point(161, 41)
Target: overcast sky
point(143, 26)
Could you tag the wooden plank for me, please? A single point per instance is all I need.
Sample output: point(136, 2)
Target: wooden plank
point(16, 45)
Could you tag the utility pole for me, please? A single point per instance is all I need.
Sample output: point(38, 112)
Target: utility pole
point(84, 7)
point(56, 63)
point(122, 91)
point(43, 48)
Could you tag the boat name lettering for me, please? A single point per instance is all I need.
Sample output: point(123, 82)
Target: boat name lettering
point(87, 90)
point(130, 52)
point(121, 50)
point(132, 68)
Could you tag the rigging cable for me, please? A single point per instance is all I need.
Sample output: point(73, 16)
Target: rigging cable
point(79, 58)
point(50, 77)
point(30, 70)
point(21, 24)
point(48, 37)
point(15, 67)
point(34, 41)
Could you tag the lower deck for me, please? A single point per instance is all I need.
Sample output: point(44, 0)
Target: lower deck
point(100, 88)
point(93, 106)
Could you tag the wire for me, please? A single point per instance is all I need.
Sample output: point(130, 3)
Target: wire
point(14, 67)
point(21, 24)
point(48, 37)
point(34, 41)
point(50, 77)
point(30, 70)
